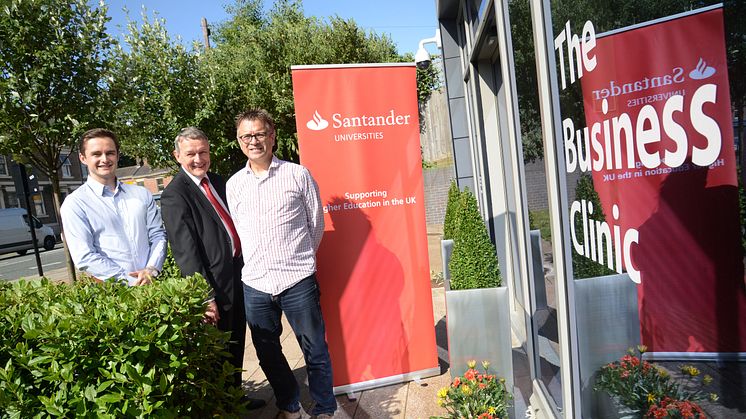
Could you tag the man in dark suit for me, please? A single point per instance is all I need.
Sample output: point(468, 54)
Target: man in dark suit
point(204, 240)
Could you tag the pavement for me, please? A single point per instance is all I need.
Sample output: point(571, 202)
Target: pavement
point(405, 400)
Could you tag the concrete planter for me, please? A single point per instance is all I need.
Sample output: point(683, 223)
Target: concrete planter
point(478, 326)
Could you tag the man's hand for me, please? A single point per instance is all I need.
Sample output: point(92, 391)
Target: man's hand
point(144, 276)
point(211, 313)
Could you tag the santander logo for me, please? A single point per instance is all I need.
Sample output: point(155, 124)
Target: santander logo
point(390, 118)
point(317, 123)
point(701, 71)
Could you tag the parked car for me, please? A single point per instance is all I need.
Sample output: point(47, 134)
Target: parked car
point(15, 232)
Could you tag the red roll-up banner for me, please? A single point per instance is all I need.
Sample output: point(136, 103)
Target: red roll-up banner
point(358, 134)
point(658, 114)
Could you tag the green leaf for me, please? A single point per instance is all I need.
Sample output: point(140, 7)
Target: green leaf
point(103, 386)
point(90, 393)
point(110, 398)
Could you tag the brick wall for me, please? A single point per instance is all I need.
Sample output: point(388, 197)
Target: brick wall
point(437, 181)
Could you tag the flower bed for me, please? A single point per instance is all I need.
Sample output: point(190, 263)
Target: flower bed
point(475, 395)
point(649, 391)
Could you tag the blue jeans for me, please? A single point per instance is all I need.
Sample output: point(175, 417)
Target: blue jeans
point(301, 306)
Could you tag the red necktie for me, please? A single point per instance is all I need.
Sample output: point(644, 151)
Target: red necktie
point(223, 215)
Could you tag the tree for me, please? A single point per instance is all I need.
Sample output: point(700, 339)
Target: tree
point(53, 56)
point(251, 62)
point(155, 88)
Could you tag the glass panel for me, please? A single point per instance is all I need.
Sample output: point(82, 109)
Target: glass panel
point(545, 334)
point(472, 12)
point(66, 166)
point(652, 196)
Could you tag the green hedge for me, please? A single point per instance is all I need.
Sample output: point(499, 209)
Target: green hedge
point(452, 208)
point(108, 350)
point(474, 260)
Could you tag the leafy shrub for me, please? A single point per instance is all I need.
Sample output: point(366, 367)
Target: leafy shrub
point(170, 268)
point(475, 395)
point(474, 261)
point(649, 390)
point(108, 350)
point(452, 208)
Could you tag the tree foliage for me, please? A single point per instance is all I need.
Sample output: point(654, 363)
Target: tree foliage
point(159, 86)
point(62, 74)
point(53, 58)
point(53, 61)
point(155, 88)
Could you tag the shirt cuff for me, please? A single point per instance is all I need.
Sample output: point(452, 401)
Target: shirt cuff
point(152, 271)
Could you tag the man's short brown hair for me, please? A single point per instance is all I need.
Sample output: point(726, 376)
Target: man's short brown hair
point(97, 133)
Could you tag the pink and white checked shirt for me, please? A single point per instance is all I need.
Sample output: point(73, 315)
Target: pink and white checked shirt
point(280, 222)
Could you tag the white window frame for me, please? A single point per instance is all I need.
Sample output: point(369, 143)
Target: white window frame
point(39, 206)
point(66, 166)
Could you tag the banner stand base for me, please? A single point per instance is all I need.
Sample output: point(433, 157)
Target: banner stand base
point(696, 356)
point(386, 381)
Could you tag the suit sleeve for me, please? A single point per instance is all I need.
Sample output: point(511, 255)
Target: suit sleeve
point(182, 234)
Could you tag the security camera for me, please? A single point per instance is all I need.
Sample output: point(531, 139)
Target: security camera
point(422, 58)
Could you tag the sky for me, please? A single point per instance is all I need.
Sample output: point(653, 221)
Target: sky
point(406, 21)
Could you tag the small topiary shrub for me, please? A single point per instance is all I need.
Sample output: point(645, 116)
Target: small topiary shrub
point(474, 259)
point(452, 208)
point(108, 350)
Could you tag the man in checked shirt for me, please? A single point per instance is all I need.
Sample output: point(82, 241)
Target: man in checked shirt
point(277, 211)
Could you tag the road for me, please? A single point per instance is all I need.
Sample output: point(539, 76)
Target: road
point(14, 266)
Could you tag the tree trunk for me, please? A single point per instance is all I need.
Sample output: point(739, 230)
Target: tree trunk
point(55, 179)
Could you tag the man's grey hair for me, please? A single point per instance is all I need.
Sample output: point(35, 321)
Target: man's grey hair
point(190, 133)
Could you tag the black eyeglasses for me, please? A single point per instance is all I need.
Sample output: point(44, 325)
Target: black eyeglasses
point(246, 138)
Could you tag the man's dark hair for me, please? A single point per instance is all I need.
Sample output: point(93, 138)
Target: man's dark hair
point(97, 133)
point(257, 115)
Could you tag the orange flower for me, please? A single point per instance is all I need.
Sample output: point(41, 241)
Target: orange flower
point(470, 374)
point(456, 382)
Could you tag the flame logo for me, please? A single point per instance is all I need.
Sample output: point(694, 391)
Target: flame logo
point(317, 123)
point(701, 71)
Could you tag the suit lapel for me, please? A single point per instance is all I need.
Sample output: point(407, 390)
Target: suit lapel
point(200, 198)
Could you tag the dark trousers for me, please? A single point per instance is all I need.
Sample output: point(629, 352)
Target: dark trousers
point(301, 306)
point(233, 320)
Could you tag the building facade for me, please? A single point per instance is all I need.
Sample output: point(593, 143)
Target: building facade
point(73, 174)
point(591, 116)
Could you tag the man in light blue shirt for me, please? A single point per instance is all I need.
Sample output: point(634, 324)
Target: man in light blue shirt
point(113, 230)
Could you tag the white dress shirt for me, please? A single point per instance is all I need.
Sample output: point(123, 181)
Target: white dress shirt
point(112, 233)
point(280, 222)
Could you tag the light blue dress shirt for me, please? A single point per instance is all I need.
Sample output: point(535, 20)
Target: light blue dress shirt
point(112, 233)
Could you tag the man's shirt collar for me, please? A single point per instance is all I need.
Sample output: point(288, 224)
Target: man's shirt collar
point(99, 188)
